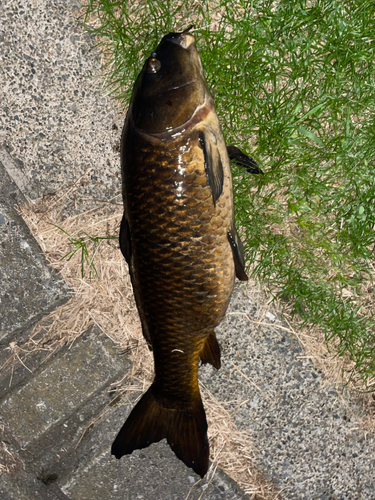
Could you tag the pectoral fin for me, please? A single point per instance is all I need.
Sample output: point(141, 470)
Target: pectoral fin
point(212, 165)
point(242, 159)
point(238, 256)
point(124, 239)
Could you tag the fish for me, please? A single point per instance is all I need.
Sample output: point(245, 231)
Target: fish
point(180, 242)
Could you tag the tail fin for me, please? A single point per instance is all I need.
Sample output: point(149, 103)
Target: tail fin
point(185, 430)
point(210, 352)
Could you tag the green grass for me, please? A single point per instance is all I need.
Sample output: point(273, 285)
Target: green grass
point(86, 246)
point(294, 86)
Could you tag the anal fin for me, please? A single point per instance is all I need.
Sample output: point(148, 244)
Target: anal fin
point(210, 352)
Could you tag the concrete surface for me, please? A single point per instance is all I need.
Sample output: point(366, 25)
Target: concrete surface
point(58, 129)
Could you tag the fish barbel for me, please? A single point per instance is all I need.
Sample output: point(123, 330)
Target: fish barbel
point(179, 240)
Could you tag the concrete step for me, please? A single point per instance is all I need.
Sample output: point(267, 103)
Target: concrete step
point(65, 384)
point(45, 417)
point(22, 485)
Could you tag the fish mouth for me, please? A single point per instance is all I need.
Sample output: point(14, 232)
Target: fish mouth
point(183, 39)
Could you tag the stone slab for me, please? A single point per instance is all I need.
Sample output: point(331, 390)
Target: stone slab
point(63, 447)
point(65, 384)
point(16, 483)
point(29, 287)
point(24, 486)
point(12, 371)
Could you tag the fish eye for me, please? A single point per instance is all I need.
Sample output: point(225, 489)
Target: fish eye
point(153, 64)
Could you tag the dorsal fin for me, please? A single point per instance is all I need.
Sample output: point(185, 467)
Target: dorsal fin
point(212, 165)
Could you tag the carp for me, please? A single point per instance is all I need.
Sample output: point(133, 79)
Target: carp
point(179, 240)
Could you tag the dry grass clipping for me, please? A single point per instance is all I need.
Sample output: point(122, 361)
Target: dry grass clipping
point(107, 301)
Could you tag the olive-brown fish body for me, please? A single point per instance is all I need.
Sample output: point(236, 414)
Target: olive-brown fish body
point(179, 240)
point(182, 260)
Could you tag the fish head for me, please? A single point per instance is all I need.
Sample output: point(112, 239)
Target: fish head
point(170, 87)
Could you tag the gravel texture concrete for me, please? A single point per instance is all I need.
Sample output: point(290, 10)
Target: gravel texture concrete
point(55, 120)
point(59, 128)
point(307, 434)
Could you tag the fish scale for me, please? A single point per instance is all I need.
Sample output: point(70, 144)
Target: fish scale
point(197, 251)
